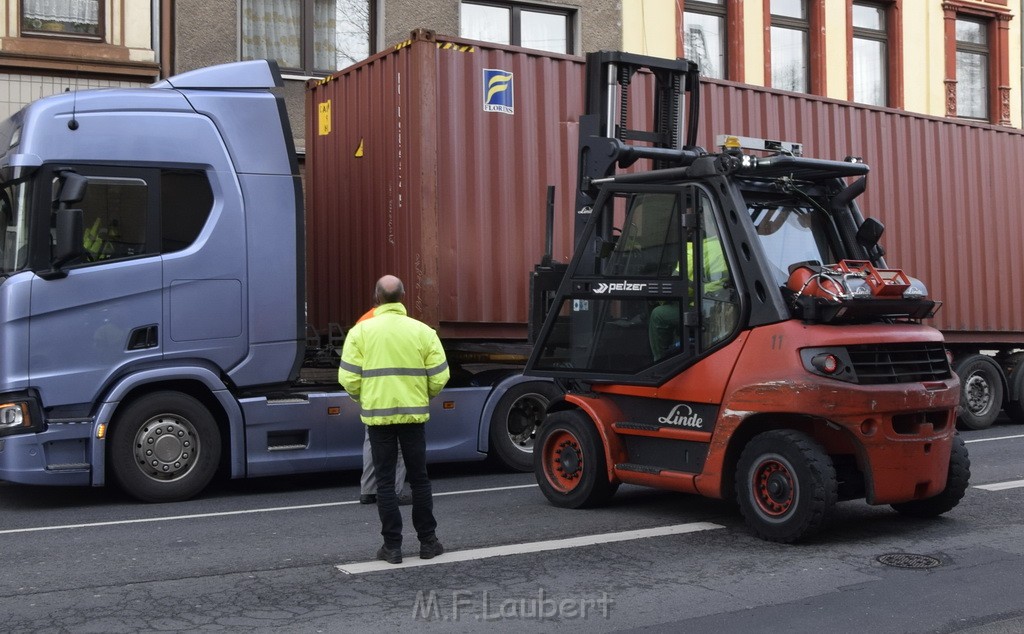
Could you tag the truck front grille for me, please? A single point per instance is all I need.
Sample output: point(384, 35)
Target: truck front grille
point(899, 363)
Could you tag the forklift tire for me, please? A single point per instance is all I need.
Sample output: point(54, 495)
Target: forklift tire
point(516, 420)
point(164, 447)
point(981, 391)
point(956, 485)
point(786, 485)
point(570, 463)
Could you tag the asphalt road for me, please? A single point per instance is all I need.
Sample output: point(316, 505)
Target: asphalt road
point(296, 555)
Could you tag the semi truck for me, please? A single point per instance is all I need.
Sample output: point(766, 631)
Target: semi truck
point(153, 300)
point(728, 326)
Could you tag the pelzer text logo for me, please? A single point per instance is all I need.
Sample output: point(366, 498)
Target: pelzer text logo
point(605, 287)
point(682, 415)
point(498, 91)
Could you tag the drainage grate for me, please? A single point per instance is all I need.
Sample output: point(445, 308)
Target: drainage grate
point(908, 560)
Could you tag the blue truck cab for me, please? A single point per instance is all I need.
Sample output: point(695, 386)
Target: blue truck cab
point(152, 298)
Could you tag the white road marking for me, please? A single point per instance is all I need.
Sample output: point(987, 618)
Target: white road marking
point(530, 547)
point(990, 439)
point(275, 509)
point(1001, 486)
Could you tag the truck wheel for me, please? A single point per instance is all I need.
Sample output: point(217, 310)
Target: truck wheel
point(981, 391)
point(956, 486)
point(516, 418)
point(164, 447)
point(786, 485)
point(569, 464)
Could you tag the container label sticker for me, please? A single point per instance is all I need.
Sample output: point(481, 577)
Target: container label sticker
point(325, 117)
point(498, 91)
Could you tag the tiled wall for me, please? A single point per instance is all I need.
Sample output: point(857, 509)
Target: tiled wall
point(17, 90)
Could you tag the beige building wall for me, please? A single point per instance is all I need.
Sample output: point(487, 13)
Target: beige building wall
point(646, 29)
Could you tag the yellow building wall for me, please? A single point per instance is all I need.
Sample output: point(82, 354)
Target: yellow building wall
point(649, 27)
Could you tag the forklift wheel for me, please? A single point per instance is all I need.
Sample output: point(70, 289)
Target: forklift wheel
point(786, 485)
point(569, 462)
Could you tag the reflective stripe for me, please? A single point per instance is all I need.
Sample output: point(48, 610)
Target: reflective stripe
point(348, 367)
point(393, 372)
point(437, 369)
point(392, 411)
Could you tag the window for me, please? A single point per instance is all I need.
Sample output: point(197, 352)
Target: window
point(315, 36)
point(704, 29)
point(972, 69)
point(62, 18)
point(790, 39)
point(870, 54)
point(536, 27)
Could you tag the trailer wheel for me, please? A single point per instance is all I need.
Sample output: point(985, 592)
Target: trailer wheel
point(981, 391)
point(515, 422)
point(569, 464)
point(956, 485)
point(786, 485)
point(164, 447)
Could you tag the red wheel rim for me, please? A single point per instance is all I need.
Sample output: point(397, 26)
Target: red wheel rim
point(563, 461)
point(774, 488)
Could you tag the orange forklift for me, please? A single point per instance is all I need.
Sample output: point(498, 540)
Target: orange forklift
point(728, 326)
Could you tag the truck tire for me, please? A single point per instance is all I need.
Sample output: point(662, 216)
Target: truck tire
point(569, 462)
point(164, 447)
point(956, 485)
point(515, 422)
point(786, 485)
point(981, 391)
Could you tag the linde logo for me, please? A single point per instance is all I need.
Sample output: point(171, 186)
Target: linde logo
point(604, 287)
point(682, 415)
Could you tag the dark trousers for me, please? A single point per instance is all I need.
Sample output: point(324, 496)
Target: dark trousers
point(384, 442)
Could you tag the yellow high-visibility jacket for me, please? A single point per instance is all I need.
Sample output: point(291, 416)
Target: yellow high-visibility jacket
point(392, 365)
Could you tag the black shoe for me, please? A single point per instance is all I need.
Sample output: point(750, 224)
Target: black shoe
point(368, 498)
point(390, 555)
point(430, 548)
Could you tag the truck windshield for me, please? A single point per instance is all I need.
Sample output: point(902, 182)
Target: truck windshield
point(791, 233)
point(14, 219)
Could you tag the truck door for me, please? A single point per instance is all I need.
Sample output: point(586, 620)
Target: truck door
point(105, 313)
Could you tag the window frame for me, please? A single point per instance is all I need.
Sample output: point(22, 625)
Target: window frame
point(998, 93)
point(515, 21)
point(815, 53)
point(894, 49)
point(101, 27)
point(720, 10)
point(307, 55)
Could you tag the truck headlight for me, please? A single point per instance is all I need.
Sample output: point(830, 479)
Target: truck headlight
point(14, 415)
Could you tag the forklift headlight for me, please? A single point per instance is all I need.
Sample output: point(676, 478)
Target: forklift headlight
point(833, 362)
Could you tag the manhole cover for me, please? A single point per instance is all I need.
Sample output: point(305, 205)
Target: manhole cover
point(908, 560)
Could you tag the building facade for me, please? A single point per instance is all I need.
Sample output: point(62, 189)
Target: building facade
point(49, 46)
point(950, 58)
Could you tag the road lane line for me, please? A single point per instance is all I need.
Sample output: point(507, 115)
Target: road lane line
point(275, 509)
point(529, 547)
point(990, 439)
point(1001, 486)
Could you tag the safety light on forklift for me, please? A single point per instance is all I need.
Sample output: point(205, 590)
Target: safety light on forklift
point(14, 415)
point(825, 363)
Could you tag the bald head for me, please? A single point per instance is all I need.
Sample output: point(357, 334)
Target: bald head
point(390, 290)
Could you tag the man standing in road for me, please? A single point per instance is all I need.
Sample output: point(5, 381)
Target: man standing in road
point(392, 365)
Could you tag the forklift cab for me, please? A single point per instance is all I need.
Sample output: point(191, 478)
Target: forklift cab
point(652, 291)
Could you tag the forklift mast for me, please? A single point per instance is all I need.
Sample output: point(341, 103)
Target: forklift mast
point(612, 136)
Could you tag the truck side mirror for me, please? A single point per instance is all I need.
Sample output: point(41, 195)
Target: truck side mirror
point(72, 189)
point(69, 241)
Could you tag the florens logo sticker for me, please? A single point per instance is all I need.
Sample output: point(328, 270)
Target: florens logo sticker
point(498, 95)
point(682, 415)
